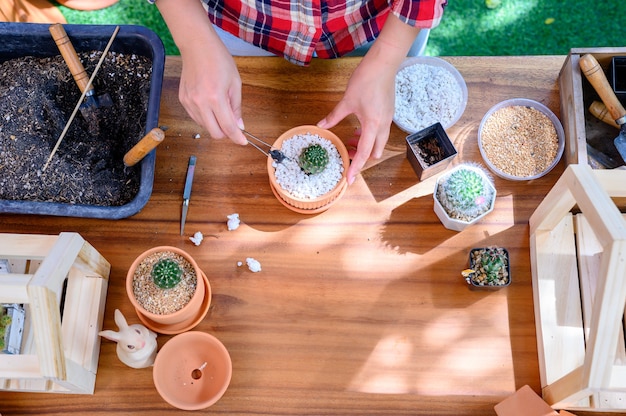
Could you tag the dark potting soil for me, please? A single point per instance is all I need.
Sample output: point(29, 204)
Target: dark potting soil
point(37, 98)
point(429, 150)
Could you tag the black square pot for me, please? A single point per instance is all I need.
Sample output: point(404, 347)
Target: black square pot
point(442, 151)
point(476, 286)
point(617, 77)
point(30, 39)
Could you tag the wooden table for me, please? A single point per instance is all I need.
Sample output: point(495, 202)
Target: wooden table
point(359, 310)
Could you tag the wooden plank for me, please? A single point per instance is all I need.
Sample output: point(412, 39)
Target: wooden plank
point(558, 313)
point(572, 115)
point(26, 246)
point(13, 288)
point(557, 203)
point(19, 366)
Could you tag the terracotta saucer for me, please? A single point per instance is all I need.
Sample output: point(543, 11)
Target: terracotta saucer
point(183, 326)
point(309, 211)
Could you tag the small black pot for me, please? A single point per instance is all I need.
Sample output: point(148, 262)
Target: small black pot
point(432, 143)
point(471, 277)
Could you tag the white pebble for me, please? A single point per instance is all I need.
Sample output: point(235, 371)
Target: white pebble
point(233, 221)
point(197, 238)
point(239, 263)
point(426, 94)
point(253, 265)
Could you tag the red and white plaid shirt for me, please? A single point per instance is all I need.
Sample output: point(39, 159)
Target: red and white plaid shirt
point(330, 28)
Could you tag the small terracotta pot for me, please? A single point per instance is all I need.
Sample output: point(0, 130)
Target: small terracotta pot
point(321, 203)
point(192, 370)
point(87, 4)
point(190, 314)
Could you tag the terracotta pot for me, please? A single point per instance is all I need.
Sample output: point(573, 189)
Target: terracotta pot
point(321, 203)
point(183, 319)
point(192, 370)
point(87, 4)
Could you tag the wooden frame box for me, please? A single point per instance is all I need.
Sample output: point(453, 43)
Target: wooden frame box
point(578, 263)
point(576, 95)
point(62, 282)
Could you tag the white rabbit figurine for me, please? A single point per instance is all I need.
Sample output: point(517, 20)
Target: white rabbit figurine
point(136, 344)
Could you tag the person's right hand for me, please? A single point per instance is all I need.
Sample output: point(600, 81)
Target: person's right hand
point(210, 91)
point(210, 85)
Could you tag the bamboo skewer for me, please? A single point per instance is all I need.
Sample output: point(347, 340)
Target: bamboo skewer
point(82, 97)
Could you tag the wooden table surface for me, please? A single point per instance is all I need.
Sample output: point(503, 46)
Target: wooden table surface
point(358, 310)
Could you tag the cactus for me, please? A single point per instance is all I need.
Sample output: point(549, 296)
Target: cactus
point(492, 262)
point(166, 273)
point(5, 322)
point(313, 159)
point(465, 193)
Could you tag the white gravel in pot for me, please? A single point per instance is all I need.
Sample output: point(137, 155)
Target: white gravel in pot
point(292, 179)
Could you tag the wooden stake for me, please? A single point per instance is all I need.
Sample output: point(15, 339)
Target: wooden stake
point(80, 101)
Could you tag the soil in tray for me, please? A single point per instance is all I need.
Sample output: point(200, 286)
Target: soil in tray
point(37, 98)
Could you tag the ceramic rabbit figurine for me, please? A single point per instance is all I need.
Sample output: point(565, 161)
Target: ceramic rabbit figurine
point(136, 344)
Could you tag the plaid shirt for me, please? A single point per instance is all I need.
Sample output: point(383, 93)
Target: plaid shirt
point(330, 28)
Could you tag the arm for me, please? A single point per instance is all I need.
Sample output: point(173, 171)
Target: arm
point(210, 86)
point(370, 91)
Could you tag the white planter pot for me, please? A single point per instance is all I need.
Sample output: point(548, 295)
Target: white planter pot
point(453, 223)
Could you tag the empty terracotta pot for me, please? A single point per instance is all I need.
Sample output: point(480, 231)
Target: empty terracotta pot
point(192, 370)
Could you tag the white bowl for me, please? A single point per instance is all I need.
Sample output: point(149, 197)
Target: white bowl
point(526, 103)
point(446, 121)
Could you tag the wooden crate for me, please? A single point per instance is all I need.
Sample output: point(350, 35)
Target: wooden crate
point(578, 262)
point(50, 274)
point(576, 95)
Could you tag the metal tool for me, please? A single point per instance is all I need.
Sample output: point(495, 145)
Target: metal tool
point(77, 69)
point(605, 161)
point(596, 76)
point(277, 155)
point(187, 192)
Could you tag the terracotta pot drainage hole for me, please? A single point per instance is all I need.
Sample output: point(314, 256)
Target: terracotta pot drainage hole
point(197, 373)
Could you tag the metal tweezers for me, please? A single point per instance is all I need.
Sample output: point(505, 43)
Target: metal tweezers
point(277, 155)
point(187, 192)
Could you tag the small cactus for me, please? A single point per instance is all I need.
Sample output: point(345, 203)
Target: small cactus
point(492, 262)
point(166, 273)
point(5, 322)
point(465, 193)
point(313, 159)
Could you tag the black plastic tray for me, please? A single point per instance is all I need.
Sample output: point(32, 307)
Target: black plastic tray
point(32, 39)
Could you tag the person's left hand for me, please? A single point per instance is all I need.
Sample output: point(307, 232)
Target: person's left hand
point(370, 97)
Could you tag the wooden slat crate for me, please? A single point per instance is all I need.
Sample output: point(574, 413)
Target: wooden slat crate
point(578, 261)
point(576, 95)
point(48, 274)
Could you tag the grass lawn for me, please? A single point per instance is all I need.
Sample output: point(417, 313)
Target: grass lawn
point(469, 27)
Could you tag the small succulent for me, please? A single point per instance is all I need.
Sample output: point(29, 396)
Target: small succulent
point(492, 262)
point(313, 159)
point(5, 322)
point(465, 193)
point(166, 273)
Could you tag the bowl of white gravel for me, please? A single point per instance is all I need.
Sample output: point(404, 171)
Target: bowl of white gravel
point(428, 90)
point(302, 191)
point(520, 139)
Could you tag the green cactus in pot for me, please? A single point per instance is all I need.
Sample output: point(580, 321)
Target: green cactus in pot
point(166, 273)
point(466, 192)
point(313, 159)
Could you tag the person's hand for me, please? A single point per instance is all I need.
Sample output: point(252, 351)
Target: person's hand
point(210, 91)
point(370, 97)
point(210, 85)
point(370, 94)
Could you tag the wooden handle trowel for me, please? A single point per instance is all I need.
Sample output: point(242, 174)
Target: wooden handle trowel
point(594, 73)
point(92, 102)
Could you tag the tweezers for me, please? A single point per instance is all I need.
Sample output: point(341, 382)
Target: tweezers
point(277, 155)
point(187, 192)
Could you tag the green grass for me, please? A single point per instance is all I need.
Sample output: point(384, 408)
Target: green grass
point(468, 27)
